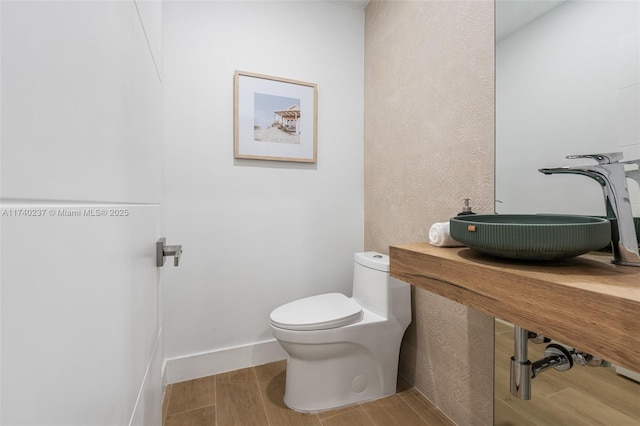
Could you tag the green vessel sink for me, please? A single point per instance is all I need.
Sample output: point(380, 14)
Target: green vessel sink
point(531, 237)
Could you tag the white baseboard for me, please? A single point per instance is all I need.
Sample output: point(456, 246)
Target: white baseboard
point(220, 361)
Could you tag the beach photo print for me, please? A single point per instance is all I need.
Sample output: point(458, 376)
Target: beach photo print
point(274, 118)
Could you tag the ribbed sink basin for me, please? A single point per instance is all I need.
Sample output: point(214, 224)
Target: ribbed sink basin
point(531, 237)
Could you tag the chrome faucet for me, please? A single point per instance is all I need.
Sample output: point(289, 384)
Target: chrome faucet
point(610, 174)
point(633, 173)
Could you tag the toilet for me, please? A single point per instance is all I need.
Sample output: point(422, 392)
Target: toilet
point(344, 350)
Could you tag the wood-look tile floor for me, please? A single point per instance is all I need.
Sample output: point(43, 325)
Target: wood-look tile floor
point(588, 396)
point(254, 397)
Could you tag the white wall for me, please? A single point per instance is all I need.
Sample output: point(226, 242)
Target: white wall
point(565, 85)
point(256, 234)
point(81, 131)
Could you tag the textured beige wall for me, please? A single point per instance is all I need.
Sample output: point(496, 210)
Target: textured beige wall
point(429, 126)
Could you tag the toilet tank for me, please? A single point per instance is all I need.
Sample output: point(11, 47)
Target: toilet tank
point(376, 290)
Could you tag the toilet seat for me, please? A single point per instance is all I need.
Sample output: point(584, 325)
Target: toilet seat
point(320, 312)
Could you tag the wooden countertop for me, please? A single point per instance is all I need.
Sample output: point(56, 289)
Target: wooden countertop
point(585, 302)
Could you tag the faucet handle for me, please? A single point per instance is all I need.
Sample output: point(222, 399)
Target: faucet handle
point(604, 158)
point(633, 173)
point(636, 162)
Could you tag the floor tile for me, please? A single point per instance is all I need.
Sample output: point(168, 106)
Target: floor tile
point(351, 417)
point(337, 411)
point(239, 401)
point(192, 394)
point(392, 410)
point(424, 408)
point(200, 417)
point(271, 379)
point(255, 397)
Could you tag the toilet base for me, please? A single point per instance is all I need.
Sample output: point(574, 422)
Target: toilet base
point(320, 382)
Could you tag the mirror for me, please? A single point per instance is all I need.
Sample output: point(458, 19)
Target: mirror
point(567, 82)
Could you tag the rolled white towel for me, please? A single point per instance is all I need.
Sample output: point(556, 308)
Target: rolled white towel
point(439, 236)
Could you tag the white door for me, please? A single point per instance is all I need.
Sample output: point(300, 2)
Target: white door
point(80, 168)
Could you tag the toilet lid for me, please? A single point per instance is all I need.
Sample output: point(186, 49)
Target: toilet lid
point(317, 313)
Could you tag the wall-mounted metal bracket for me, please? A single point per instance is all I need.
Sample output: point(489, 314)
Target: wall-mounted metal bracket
point(163, 250)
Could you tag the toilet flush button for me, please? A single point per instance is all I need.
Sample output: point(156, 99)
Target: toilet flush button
point(359, 384)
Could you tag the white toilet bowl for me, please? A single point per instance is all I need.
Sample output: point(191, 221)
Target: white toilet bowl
point(345, 350)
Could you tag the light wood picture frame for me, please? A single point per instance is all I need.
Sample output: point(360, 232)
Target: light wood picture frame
point(275, 118)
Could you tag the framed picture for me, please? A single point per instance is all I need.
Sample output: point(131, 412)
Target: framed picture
point(274, 118)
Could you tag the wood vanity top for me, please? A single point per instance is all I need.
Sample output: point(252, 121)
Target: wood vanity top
point(586, 302)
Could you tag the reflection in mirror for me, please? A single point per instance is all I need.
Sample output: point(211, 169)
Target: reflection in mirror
point(567, 82)
point(582, 395)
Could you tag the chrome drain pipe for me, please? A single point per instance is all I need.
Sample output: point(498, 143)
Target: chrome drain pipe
point(555, 356)
point(521, 371)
